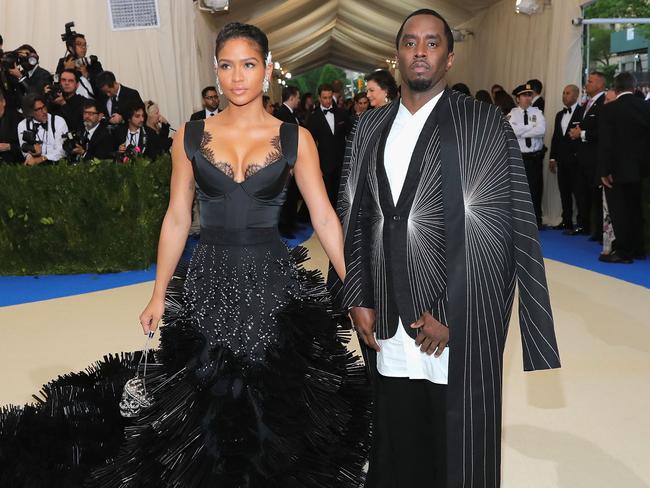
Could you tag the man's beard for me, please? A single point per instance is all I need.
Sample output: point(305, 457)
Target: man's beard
point(420, 84)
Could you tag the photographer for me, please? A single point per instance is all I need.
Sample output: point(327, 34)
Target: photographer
point(134, 138)
point(64, 100)
point(40, 135)
point(97, 142)
point(77, 58)
point(159, 125)
point(26, 70)
point(118, 97)
point(9, 146)
point(9, 87)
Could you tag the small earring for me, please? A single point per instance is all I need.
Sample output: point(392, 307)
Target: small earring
point(386, 100)
point(265, 84)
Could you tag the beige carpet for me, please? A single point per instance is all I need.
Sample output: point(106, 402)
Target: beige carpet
point(586, 425)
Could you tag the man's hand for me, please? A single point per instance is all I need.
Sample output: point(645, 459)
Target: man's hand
point(608, 181)
point(432, 336)
point(363, 320)
point(4, 146)
point(552, 165)
point(60, 100)
point(69, 64)
point(78, 150)
point(574, 132)
point(38, 150)
point(115, 119)
point(34, 160)
point(16, 73)
point(84, 70)
point(122, 148)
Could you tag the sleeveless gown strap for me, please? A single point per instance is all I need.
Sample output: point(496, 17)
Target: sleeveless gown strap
point(193, 136)
point(289, 142)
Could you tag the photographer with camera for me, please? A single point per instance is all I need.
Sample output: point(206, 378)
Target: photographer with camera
point(9, 145)
point(64, 100)
point(118, 97)
point(26, 70)
point(9, 87)
point(77, 58)
point(134, 138)
point(41, 134)
point(97, 142)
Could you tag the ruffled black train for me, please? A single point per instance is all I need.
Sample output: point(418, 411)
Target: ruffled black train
point(227, 416)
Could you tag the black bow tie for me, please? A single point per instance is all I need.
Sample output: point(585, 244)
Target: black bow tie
point(328, 111)
point(566, 110)
point(44, 126)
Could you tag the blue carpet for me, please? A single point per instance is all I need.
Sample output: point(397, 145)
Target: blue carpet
point(15, 290)
point(581, 252)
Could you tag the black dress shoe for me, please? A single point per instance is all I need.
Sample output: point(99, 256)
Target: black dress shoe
point(578, 231)
point(612, 257)
point(562, 226)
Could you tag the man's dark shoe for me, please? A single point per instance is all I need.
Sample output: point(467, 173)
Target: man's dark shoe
point(612, 257)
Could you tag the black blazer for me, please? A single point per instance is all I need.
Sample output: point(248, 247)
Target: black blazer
point(540, 103)
point(101, 144)
point(72, 111)
point(200, 115)
point(37, 82)
point(331, 147)
point(9, 134)
point(127, 97)
point(285, 115)
point(624, 148)
point(151, 148)
point(563, 148)
point(588, 151)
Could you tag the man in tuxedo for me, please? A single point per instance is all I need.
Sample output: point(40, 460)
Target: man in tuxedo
point(586, 133)
point(329, 126)
point(438, 228)
point(210, 104)
point(622, 165)
point(564, 155)
point(118, 97)
point(97, 140)
point(538, 99)
point(88, 66)
point(134, 138)
point(290, 103)
point(32, 78)
point(47, 131)
point(9, 147)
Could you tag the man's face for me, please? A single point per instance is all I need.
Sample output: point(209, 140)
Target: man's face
point(309, 103)
point(91, 117)
point(294, 101)
point(68, 83)
point(109, 91)
point(569, 96)
point(525, 100)
point(423, 53)
point(325, 98)
point(595, 84)
point(361, 106)
point(137, 119)
point(80, 47)
point(40, 112)
point(211, 100)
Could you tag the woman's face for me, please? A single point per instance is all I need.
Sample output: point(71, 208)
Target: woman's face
point(154, 116)
point(241, 70)
point(376, 96)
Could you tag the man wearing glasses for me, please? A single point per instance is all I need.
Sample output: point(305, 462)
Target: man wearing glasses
point(210, 104)
point(40, 135)
point(97, 140)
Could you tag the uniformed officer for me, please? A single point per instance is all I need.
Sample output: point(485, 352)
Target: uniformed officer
point(529, 126)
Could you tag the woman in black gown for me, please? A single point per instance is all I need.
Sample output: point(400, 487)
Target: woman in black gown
point(255, 386)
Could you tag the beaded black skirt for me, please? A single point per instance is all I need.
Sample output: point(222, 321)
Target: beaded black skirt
point(254, 387)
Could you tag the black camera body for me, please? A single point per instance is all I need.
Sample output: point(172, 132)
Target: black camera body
point(12, 59)
point(70, 141)
point(30, 139)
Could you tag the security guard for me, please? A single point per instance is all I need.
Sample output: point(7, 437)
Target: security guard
point(529, 126)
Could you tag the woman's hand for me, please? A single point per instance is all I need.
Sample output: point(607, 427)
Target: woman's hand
point(151, 315)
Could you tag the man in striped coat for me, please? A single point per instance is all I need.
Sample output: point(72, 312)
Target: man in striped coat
point(439, 228)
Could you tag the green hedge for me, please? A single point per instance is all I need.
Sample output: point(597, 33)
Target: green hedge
point(94, 217)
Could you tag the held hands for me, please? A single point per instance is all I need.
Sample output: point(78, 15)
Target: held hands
point(363, 320)
point(608, 181)
point(432, 336)
point(151, 315)
point(574, 132)
point(552, 165)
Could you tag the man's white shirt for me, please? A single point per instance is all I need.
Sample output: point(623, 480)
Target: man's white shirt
point(400, 357)
point(534, 129)
point(52, 147)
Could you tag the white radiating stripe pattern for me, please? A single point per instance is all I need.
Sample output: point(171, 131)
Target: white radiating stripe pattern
point(361, 139)
point(425, 245)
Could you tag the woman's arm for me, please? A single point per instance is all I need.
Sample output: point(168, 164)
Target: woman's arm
point(323, 217)
point(174, 231)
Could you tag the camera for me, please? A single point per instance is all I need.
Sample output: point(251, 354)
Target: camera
point(70, 141)
point(12, 59)
point(30, 139)
point(55, 90)
point(85, 61)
